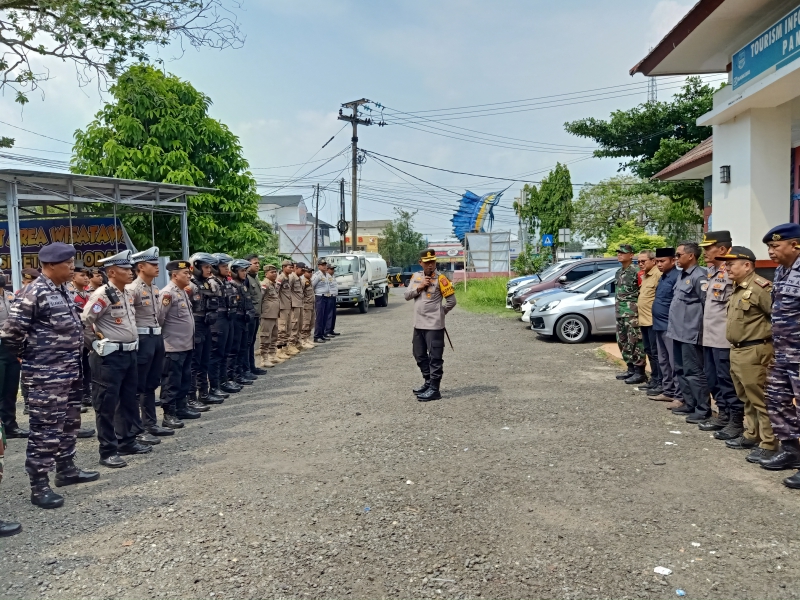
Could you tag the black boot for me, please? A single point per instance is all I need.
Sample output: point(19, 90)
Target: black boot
point(259, 371)
point(432, 393)
point(68, 474)
point(171, 422)
point(211, 399)
point(8, 528)
point(425, 385)
point(638, 376)
point(198, 406)
point(242, 380)
point(85, 432)
point(41, 494)
point(733, 429)
point(15, 431)
point(716, 423)
point(216, 391)
point(787, 458)
point(790, 482)
point(625, 374)
point(230, 387)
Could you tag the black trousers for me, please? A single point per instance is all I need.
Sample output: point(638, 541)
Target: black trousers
point(9, 385)
point(86, 373)
point(691, 377)
point(114, 384)
point(150, 365)
point(321, 306)
point(720, 382)
point(201, 356)
point(428, 347)
point(218, 365)
point(252, 333)
point(651, 350)
point(238, 333)
point(331, 320)
point(176, 381)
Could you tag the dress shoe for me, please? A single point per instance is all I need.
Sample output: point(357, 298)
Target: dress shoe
point(758, 455)
point(652, 391)
point(43, 496)
point(625, 374)
point(218, 392)
point(661, 398)
point(211, 399)
point(198, 406)
point(683, 410)
point(8, 528)
point(135, 448)
point(432, 393)
point(425, 385)
point(319, 341)
point(159, 431)
point(258, 371)
point(231, 387)
point(741, 443)
point(172, 422)
point(17, 432)
point(115, 461)
point(716, 423)
point(697, 418)
point(242, 381)
point(85, 432)
point(84, 409)
point(250, 375)
point(793, 481)
point(788, 457)
point(74, 476)
point(332, 333)
point(187, 414)
point(148, 439)
point(637, 377)
point(675, 404)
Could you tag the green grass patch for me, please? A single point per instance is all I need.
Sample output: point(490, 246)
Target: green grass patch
point(486, 296)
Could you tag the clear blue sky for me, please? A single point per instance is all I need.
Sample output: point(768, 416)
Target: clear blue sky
point(281, 92)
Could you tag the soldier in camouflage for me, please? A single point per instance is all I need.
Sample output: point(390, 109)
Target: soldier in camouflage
point(44, 330)
point(629, 336)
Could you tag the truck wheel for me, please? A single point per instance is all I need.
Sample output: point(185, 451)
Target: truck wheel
point(396, 284)
point(383, 300)
point(363, 306)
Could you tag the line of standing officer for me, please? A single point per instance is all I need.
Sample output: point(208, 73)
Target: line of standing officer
point(9, 372)
point(222, 330)
point(205, 295)
point(270, 313)
point(629, 336)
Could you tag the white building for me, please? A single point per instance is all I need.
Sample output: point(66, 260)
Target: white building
point(291, 210)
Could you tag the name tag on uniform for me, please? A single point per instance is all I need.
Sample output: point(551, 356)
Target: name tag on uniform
point(55, 300)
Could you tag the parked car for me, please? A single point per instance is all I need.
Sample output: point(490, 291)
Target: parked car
point(539, 297)
point(564, 276)
point(516, 281)
point(574, 314)
point(524, 284)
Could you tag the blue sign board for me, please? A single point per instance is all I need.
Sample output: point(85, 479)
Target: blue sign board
point(547, 240)
point(774, 48)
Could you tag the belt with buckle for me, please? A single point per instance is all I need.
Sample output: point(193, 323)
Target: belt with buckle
point(149, 330)
point(126, 347)
point(751, 343)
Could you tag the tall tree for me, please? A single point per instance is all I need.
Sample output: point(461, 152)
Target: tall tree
point(398, 243)
point(548, 208)
point(653, 135)
point(157, 128)
point(101, 37)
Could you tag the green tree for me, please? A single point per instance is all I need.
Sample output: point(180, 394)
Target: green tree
point(653, 135)
point(102, 37)
point(547, 208)
point(529, 262)
point(157, 128)
point(630, 233)
point(398, 243)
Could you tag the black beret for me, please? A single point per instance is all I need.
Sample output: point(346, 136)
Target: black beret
point(665, 252)
point(300, 265)
point(787, 231)
point(177, 265)
point(56, 252)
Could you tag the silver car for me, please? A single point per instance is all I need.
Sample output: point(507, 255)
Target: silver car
point(574, 314)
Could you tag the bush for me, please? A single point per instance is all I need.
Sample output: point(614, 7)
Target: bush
point(483, 295)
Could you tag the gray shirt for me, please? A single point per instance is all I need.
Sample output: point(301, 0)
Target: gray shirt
point(145, 302)
point(715, 314)
point(686, 310)
point(176, 319)
point(115, 321)
point(333, 285)
point(321, 284)
point(429, 311)
point(6, 298)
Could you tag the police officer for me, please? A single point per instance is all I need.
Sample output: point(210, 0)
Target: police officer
point(244, 313)
point(270, 312)
point(177, 330)
point(254, 291)
point(308, 309)
point(81, 283)
point(330, 326)
point(783, 380)
point(205, 296)
point(686, 330)
point(428, 289)
point(221, 331)
point(150, 355)
point(296, 289)
point(322, 294)
point(629, 336)
point(716, 348)
point(110, 318)
point(749, 332)
point(285, 351)
point(95, 279)
point(28, 277)
point(9, 372)
point(44, 330)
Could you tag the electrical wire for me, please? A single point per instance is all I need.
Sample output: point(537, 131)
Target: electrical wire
point(34, 133)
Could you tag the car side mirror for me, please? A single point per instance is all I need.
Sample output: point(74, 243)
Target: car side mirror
point(562, 279)
point(602, 294)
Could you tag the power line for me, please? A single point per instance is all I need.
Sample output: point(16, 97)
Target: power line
point(34, 133)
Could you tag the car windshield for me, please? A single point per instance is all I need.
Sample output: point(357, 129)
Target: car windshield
point(343, 265)
point(585, 284)
point(552, 271)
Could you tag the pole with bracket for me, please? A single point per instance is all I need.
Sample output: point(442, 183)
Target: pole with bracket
point(355, 121)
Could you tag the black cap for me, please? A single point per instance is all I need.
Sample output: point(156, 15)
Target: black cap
point(427, 255)
point(300, 265)
point(177, 265)
point(322, 261)
point(31, 273)
point(740, 252)
point(625, 249)
point(56, 252)
point(665, 252)
point(787, 231)
point(715, 237)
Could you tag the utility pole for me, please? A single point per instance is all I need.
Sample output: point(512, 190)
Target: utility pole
point(342, 225)
point(355, 122)
point(316, 227)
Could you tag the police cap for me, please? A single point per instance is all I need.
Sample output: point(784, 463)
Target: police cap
point(177, 265)
point(149, 256)
point(56, 252)
point(80, 267)
point(715, 237)
point(427, 255)
point(122, 259)
point(30, 274)
point(740, 252)
point(322, 261)
point(665, 252)
point(300, 265)
point(787, 231)
point(268, 268)
point(287, 263)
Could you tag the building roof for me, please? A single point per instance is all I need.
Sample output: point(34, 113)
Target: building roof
point(695, 164)
point(708, 35)
point(281, 201)
point(379, 223)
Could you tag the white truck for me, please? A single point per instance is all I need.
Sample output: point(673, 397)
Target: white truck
point(361, 277)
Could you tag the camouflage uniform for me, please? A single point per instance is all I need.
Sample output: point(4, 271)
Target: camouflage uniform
point(629, 336)
point(783, 381)
point(43, 328)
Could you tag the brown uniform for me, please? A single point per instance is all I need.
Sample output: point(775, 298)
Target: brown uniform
point(285, 318)
point(308, 310)
point(296, 288)
point(270, 313)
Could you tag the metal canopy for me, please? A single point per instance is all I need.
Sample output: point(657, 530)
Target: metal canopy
point(43, 194)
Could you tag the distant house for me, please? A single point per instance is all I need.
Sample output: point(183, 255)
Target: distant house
point(291, 210)
point(368, 234)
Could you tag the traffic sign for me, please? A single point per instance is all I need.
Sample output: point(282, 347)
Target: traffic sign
point(547, 239)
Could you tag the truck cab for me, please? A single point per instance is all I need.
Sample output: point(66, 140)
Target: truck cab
point(361, 278)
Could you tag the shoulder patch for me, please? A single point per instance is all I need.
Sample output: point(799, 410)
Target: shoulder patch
point(762, 282)
point(96, 307)
point(166, 300)
point(445, 286)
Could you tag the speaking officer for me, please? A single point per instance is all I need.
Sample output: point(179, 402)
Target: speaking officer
point(254, 291)
point(110, 319)
point(9, 372)
point(686, 330)
point(427, 290)
point(647, 296)
point(629, 336)
point(150, 355)
point(285, 320)
point(665, 290)
point(330, 326)
point(322, 292)
point(270, 311)
point(177, 329)
point(204, 295)
point(749, 332)
point(783, 380)
point(716, 348)
point(44, 331)
point(222, 330)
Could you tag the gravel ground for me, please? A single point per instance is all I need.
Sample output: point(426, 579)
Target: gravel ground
point(536, 476)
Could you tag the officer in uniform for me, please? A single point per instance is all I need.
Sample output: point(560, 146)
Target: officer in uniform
point(322, 293)
point(255, 292)
point(686, 330)
point(9, 372)
point(647, 296)
point(205, 297)
point(308, 309)
point(670, 390)
point(749, 332)
point(81, 282)
point(44, 330)
point(221, 331)
point(296, 289)
point(783, 380)
point(428, 289)
point(330, 326)
point(285, 351)
point(110, 318)
point(244, 313)
point(270, 312)
point(150, 355)
point(28, 277)
point(629, 336)
point(177, 329)
point(716, 348)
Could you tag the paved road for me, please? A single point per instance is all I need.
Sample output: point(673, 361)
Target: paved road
point(537, 475)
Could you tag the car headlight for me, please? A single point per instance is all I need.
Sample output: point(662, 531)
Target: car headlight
point(354, 291)
point(550, 305)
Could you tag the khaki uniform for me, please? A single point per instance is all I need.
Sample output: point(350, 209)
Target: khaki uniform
point(296, 288)
point(647, 295)
point(270, 313)
point(285, 318)
point(749, 331)
point(115, 321)
point(308, 310)
point(176, 319)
